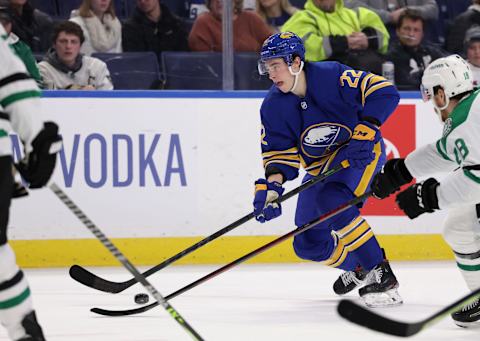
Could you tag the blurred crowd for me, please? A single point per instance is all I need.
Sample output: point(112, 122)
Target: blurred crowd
point(87, 44)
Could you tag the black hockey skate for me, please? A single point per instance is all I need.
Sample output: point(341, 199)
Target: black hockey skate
point(380, 288)
point(350, 280)
point(33, 329)
point(468, 316)
point(19, 190)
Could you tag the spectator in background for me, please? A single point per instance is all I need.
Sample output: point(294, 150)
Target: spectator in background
point(409, 54)
point(249, 5)
point(390, 10)
point(249, 30)
point(275, 12)
point(332, 31)
point(456, 32)
point(153, 27)
point(472, 47)
point(64, 67)
point(195, 8)
point(101, 27)
point(31, 25)
point(21, 49)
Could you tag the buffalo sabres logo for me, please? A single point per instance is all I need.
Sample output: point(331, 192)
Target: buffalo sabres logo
point(324, 138)
point(321, 136)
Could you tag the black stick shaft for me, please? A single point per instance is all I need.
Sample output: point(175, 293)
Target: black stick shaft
point(242, 259)
point(367, 318)
point(87, 278)
point(269, 245)
point(123, 260)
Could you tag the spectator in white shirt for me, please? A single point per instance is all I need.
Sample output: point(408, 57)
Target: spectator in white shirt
point(101, 27)
point(64, 67)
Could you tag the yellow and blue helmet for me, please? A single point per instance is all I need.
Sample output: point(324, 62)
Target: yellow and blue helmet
point(286, 45)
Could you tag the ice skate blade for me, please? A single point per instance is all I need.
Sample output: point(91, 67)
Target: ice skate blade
point(389, 298)
point(469, 325)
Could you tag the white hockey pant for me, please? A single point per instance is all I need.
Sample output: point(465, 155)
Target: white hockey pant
point(462, 233)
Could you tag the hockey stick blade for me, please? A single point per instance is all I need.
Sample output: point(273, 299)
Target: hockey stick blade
point(365, 317)
point(93, 281)
point(238, 261)
point(115, 252)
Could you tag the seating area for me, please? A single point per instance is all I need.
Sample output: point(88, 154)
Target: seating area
point(203, 71)
point(61, 9)
point(181, 71)
point(195, 70)
point(132, 70)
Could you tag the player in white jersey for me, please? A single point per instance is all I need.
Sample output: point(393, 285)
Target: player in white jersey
point(447, 82)
point(20, 113)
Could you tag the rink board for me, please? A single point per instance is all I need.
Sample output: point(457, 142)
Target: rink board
point(157, 171)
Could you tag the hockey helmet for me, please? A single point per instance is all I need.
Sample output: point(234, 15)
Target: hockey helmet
point(451, 73)
point(286, 45)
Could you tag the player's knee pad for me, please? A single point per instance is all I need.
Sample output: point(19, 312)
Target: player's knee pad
point(314, 245)
point(349, 239)
point(462, 230)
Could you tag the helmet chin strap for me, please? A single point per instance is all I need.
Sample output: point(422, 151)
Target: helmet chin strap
point(438, 110)
point(295, 82)
point(447, 102)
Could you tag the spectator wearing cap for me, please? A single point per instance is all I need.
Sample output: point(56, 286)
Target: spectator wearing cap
point(64, 67)
point(100, 25)
point(410, 54)
point(31, 25)
point(21, 49)
point(457, 30)
point(153, 27)
point(472, 47)
point(249, 30)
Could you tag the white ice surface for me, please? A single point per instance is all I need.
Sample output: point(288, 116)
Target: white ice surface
point(249, 302)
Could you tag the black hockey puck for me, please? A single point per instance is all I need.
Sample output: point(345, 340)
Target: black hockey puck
point(141, 298)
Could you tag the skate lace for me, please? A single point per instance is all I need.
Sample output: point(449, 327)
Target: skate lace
point(349, 277)
point(471, 305)
point(375, 275)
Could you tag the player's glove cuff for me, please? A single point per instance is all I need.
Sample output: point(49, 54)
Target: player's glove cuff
point(419, 198)
point(365, 131)
point(393, 175)
point(266, 205)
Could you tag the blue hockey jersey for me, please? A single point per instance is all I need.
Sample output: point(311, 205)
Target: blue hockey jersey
point(305, 131)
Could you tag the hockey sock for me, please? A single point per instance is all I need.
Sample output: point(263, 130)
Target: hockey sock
point(15, 298)
point(469, 265)
point(355, 244)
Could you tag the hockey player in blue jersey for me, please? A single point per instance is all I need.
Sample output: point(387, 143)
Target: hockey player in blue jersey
point(317, 115)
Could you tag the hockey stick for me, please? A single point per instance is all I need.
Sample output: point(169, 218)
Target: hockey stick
point(122, 259)
point(366, 318)
point(91, 280)
point(240, 260)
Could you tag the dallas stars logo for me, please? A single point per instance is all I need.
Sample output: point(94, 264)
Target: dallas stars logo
point(447, 128)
